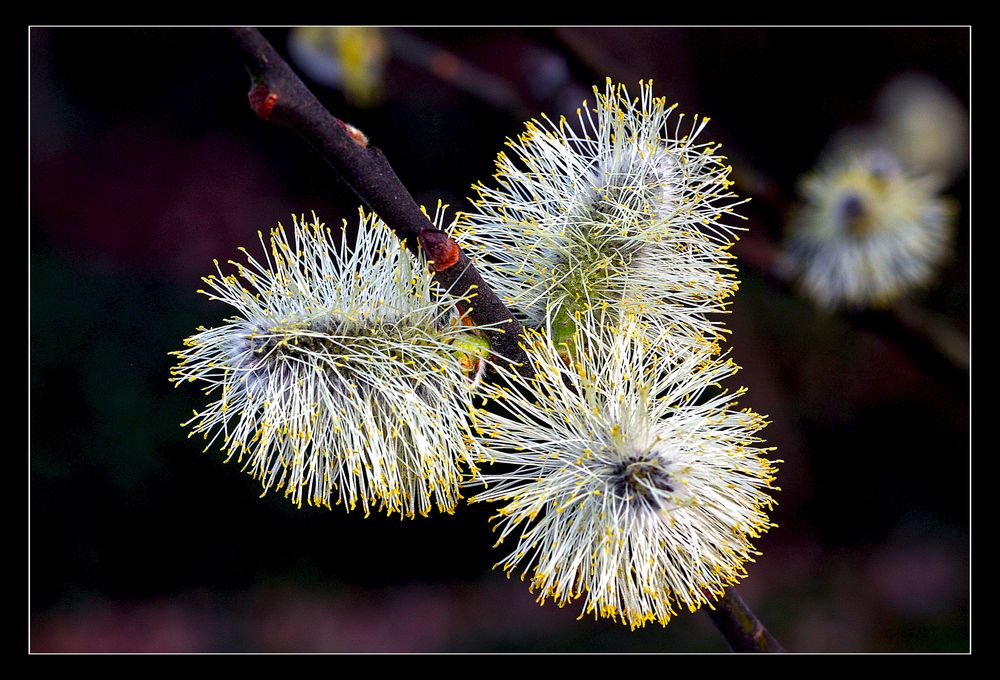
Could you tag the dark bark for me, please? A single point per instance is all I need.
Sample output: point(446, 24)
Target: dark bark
point(742, 629)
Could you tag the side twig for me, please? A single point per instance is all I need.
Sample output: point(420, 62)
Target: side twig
point(278, 95)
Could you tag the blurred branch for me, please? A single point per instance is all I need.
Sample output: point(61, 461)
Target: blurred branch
point(594, 56)
point(591, 55)
point(742, 629)
point(920, 330)
point(936, 329)
point(278, 95)
point(457, 72)
point(541, 80)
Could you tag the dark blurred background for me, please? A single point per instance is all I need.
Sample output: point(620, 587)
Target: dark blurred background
point(146, 163)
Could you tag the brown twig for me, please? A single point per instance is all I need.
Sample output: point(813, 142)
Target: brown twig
point(742, 629)
point(278, 95)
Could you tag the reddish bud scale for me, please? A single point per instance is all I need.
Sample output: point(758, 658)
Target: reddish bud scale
point(440, 248)
point(359, 137)
point(262, 100)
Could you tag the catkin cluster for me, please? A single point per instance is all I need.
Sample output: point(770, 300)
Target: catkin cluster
point(624, 473)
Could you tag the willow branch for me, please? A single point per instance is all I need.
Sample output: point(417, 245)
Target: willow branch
point(278, 95)
point(742, 629)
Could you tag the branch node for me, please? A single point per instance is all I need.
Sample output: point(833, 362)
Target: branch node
point(359, 137)
point(441, 249)
point(262, 100)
